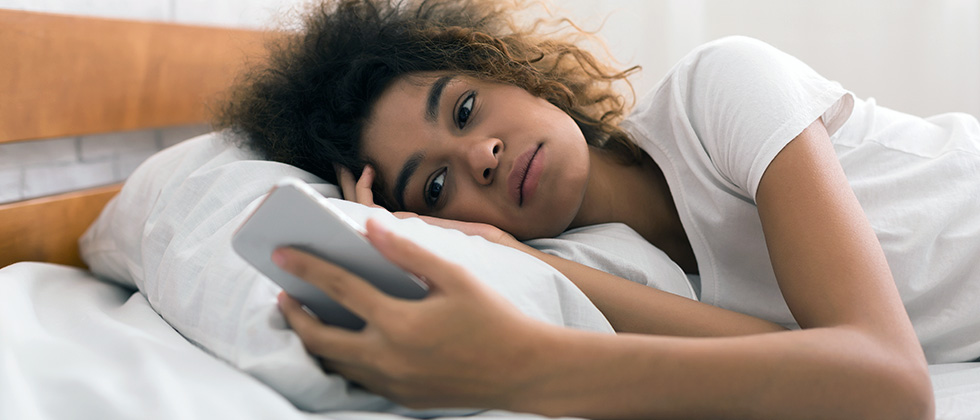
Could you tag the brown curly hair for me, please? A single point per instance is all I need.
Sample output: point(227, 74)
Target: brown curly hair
point(307, 104)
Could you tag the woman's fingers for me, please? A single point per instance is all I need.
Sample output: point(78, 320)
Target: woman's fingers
point(468, 228)
point(488, 232)
point(347, 289)
point(364, 193)
point(415, 259)
point(347, 182)
point(323, 340)
point(415, 352)
point(359, 190)
point(404, 214)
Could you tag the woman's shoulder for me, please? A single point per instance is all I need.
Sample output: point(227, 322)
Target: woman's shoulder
point(717, 60)
point(732, 104)
point(731, 56)
point(725, 50)
point(724, 62)
point(734, 42)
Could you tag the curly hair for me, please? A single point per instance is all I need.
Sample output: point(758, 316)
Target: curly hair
point(307, 104)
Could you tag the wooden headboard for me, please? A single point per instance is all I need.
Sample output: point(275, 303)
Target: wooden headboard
point(70, 75)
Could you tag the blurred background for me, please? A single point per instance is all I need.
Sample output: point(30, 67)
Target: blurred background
point(916, 56)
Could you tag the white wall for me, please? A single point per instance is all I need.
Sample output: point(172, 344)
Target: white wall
point(917, 56)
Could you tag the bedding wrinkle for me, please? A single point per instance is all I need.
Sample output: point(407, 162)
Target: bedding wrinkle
point(190, 275)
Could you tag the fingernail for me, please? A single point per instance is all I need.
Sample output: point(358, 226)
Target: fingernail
point(380, 232)
point(381, 228)
point(279, 258)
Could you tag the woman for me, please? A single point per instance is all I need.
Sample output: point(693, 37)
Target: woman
point(734, 166)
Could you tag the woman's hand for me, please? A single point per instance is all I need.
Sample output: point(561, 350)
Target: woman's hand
point(487, 231)
point(461, 346)
point(359, 190)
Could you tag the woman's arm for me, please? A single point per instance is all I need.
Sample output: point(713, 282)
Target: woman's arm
point(635, 308)
point(631, 307)
point(857, 356)
point(463, 346)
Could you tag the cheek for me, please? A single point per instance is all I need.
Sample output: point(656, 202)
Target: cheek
point(473, 208)
point(482, 208)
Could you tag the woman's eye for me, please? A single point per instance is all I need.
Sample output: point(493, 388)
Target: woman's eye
point(465, 109)
point(434, 189)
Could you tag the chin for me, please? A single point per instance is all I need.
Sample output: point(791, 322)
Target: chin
point(553, 222)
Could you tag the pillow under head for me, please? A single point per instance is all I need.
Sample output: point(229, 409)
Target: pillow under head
point(168, 234)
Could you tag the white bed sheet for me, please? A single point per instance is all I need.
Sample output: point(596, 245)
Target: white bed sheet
point(75, 347)
point(72, 346)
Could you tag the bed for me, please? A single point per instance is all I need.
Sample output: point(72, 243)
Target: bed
point(154, 316)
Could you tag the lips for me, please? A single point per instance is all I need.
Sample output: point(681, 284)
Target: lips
point(522, 181)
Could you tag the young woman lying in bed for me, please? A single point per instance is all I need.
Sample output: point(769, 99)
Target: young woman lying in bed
point(797, 204)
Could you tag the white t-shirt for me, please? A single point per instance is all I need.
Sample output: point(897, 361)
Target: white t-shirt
point(721, 115)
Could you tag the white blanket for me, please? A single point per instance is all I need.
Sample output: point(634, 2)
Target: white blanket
point(168, 234)
point(72, 346)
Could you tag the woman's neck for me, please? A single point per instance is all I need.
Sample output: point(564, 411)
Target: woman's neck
point(638, 196)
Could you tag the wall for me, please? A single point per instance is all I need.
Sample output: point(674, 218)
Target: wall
point(917, 56)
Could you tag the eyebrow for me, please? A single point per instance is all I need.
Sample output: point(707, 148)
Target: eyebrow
point(435, 94)
point(401, 181)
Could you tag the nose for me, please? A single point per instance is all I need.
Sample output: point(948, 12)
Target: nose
point(484, 158)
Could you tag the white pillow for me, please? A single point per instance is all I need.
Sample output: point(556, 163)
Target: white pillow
point(617, 249)
point(168, 234)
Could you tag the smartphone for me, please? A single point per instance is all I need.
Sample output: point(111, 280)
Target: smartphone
point(293, 214)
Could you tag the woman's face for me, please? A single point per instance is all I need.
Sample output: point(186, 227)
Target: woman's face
point(460, 148)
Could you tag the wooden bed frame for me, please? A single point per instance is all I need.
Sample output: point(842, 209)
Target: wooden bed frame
point(70, 75)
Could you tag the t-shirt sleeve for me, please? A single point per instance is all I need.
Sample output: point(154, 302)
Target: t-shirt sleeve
point(746, 100)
